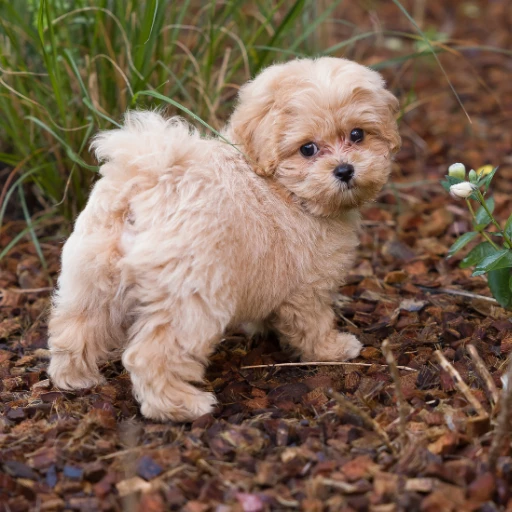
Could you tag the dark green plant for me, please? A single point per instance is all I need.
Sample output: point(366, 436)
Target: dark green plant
point(493, 256)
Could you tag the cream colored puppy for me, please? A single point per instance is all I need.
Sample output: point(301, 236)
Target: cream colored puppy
point(184, 237)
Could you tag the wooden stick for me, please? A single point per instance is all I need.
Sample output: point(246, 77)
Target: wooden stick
point(460, 384)
point(366, 418)
point(502, 431)
point(403, 408)
point(449, 291)
point(31, 290)
point(324, 363)
point(481, 369)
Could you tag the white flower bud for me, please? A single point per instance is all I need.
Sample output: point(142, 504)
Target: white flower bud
point(462, 190)
point(457, 171)
point(473, 176)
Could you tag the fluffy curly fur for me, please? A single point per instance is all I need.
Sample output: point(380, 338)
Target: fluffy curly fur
point(184, 237)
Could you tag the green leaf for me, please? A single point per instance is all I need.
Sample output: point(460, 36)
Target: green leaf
point(486, 181)
point(461, 242)
point(500, 283)
point(500, 259)
point(477, 254)
point(508, 227)
point(482, 217)
point(446, 185)
point(473, 177)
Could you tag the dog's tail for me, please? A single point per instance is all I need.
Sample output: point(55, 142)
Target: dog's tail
point(146, 143)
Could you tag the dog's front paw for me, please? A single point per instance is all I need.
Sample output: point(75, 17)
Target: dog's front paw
point(67, 373)
point(183, 407)
point(350, 345)
point(341, 347)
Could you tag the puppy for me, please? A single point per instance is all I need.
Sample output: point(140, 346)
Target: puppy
point(184, 237)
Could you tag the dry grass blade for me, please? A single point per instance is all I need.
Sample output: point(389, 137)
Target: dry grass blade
point(323, 363)
point(366, 418)
point(460, 384)
point(502, 432)
point(481, 369)
point(403, 408)
point(461, 293)
point(33, 290)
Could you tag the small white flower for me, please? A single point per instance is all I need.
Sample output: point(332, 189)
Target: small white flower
point(457, 171)
point(462, 190)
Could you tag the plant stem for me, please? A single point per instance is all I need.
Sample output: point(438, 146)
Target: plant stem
point(482, 232)
point(481, 199)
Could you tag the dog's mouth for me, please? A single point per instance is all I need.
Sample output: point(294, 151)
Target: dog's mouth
point(349, 185)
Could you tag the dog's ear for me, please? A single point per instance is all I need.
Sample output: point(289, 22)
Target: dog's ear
point(254, 119)
point(391, 133)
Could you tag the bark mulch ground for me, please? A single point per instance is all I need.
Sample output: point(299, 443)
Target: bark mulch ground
point(311, 438)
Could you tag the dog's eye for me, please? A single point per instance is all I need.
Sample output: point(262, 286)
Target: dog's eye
point(357, 135)
point(309, 149)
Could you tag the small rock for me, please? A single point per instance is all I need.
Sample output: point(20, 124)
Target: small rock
point(147, 468)
point(16, 414)
point(132, 485)
point(20, 470)
point(73, 472)
point(51, 476)
point(250, 502)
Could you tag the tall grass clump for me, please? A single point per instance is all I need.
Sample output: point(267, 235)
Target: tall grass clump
point(72, 67)
point(69, 68)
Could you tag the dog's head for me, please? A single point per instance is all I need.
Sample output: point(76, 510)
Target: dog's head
point(325, 129)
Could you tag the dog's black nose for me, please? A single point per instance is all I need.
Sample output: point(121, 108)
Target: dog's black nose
point(344, 172)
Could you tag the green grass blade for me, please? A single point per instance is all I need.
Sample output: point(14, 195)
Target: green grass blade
point(51, 62)
point(427, 41)
point(69, 151)
point(30, 227)
point(87, 102)
point(13, 187)
point(315, 24)
point(288, 19)
point(161, 97)
point(23, 233)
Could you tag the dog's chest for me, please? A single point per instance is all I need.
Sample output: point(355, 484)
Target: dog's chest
point(316, 251)
point(332, 253)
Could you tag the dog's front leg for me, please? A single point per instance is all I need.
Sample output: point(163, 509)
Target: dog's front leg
point(307, 323)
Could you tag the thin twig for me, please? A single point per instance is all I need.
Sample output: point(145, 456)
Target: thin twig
point(346, 320)
point(460, 384)
point(31, 290)
point(459, 292)
point(371, 223)
point(403, 409)
point(344, 487)
point(366, 418)
point(481, 369)
point(127, 451)
point(324, 363)
point(502, 431)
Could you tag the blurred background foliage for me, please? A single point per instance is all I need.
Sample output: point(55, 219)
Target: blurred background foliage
point(69, 68)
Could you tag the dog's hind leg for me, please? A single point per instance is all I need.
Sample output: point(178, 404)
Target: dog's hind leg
point(85, 324)
point(169, 343)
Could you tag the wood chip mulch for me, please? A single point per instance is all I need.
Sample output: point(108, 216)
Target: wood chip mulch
point(310, 438)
